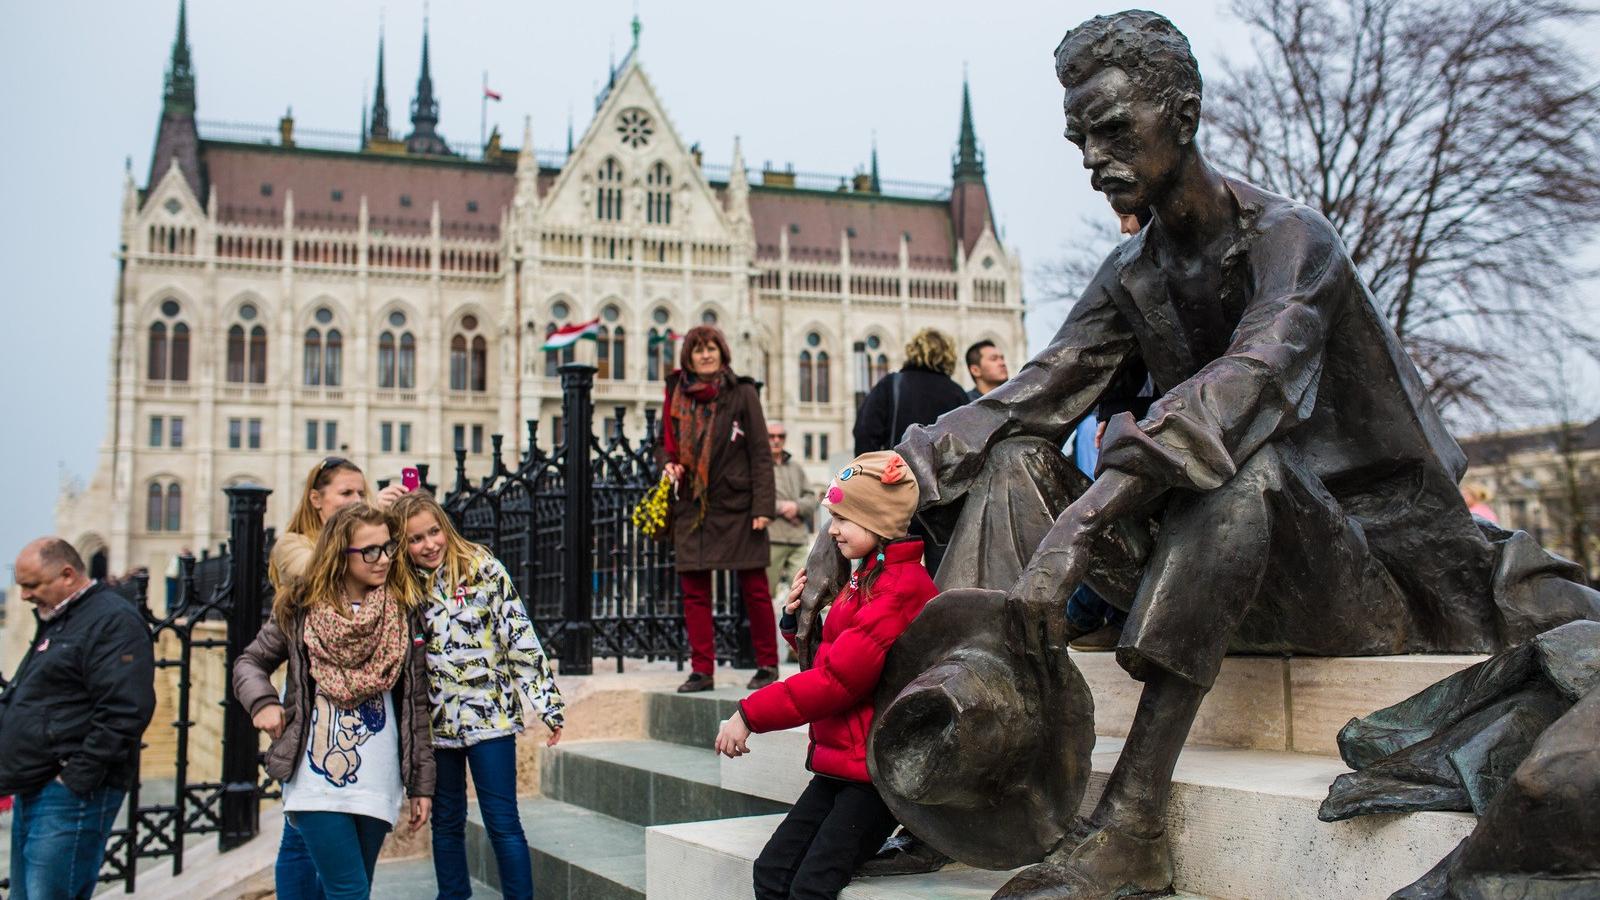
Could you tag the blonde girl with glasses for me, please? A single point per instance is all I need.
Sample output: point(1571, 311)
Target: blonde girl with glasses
point(350, 734)
point(485, 667)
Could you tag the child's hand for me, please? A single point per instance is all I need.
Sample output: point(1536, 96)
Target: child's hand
point(733, 738)
point(796, 588)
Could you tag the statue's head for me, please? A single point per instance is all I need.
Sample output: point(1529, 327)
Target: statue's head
point(1132, 103)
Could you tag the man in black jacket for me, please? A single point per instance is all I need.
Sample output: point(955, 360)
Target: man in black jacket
point(69, 722)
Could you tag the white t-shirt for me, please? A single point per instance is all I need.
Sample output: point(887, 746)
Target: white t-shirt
point(351, 762)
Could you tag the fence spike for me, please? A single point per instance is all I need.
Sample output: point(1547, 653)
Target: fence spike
point(461, 469)
point(498, 441)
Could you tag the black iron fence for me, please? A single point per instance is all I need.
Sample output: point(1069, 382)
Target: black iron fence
point(593, 584)
point(229, 589)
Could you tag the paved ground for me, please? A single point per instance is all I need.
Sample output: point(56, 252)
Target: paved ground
point(412, 879)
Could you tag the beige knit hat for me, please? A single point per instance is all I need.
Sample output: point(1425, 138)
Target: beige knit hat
point(876, 491)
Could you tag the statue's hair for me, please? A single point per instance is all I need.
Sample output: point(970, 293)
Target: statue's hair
point(931, 348)
point(1146, 45)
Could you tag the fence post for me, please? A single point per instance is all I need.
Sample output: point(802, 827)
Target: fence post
point(241, 809)
point(577, 531)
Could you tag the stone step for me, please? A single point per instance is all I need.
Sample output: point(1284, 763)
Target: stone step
point(1243, 822)
point(645, 782)
point(1276, 703)
point(1257, 703)
point(577, 853)
point(712, 861)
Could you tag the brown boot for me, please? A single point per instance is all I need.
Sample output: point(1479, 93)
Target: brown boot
point(696, 682)
point(1104, 638)
point(1109, 864)
point(763, 677)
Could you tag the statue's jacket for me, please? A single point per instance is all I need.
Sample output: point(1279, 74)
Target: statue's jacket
point(1290, 353)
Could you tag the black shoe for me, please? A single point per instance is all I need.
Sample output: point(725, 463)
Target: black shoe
point(903, 854)
point(763, 677)
point(697, 681)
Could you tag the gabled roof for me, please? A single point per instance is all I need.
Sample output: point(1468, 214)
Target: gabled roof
point(815, 221)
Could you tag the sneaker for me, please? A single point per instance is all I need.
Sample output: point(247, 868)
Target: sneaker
point(1100, 640)
point(763, 677)
point(697, 681)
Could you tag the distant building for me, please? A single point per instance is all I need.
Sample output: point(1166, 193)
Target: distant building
point(1545, 481)
point(283, 299)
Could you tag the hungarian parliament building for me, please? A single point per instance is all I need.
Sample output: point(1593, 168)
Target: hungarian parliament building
point(386, 297)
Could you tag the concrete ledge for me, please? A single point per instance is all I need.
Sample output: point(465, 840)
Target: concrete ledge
point(1243, 822)
point(712, 861)
point(1275, 703)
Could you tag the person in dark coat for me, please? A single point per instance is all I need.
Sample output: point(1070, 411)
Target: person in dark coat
point(714, 438)
point(69, 721)
point(918, 394)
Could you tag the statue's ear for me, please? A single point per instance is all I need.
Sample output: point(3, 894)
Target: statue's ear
point(1186, 116)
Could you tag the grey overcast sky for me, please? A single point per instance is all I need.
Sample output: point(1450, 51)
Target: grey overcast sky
point(808, 84)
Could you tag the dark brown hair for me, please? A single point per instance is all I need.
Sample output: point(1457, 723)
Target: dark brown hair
point(699, 336)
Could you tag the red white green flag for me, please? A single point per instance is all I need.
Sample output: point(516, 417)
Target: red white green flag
point(567, 335)
point(663, 337)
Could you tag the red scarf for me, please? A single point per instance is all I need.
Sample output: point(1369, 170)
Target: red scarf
point(694, 411)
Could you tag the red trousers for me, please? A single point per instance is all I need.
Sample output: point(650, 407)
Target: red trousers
point(697, 618)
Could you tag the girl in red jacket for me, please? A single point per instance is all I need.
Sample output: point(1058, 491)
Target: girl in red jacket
point(839, 820)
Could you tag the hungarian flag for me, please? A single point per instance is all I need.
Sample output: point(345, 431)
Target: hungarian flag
point(668, 335)
point(492, 95)
point(567, 335)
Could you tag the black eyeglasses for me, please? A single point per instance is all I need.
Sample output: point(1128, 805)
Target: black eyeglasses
point(370, 555)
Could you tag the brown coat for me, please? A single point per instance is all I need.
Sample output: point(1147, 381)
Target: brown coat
point(740, 488)
point(273, 647)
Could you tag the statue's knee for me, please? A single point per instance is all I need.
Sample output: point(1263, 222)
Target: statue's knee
point(1036, 459)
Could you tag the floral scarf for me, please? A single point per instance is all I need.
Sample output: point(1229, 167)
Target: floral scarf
point(359, 657)
point(694, 410)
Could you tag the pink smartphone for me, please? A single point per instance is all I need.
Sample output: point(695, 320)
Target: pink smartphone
point(409, 479)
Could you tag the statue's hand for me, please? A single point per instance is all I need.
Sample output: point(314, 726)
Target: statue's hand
point(826, 573)
point(1037, 603)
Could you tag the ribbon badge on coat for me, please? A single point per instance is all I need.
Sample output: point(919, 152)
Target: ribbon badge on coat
point(738, 432)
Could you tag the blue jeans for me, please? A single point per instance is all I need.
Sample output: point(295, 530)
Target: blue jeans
point(1089, 611)
point(58, 840)
point(294, 872)
point(494, 774)
point(329, 838)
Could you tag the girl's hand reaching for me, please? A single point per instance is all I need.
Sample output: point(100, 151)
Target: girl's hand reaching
point(554, 738)
point(733, 738)
point(796, 588)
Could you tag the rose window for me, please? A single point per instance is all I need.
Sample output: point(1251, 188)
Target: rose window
point(635, 127)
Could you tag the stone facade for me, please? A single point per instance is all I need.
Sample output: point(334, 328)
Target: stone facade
point(1545, 481)
point(280, 303)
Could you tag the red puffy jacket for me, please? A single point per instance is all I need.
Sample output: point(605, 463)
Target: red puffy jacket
point(835, 694)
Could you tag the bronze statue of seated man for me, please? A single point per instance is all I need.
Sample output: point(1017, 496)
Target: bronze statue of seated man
point(1292, 490)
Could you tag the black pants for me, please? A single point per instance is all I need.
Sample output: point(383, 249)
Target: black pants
point(834, 827)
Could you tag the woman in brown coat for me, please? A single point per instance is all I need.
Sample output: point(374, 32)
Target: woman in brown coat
point(716, 455)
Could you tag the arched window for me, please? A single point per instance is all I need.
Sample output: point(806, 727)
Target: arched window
point(610, 345)
point(333, 359)
point(658, 197)
point(247, 349)
point(397, 355)
point(156, 369)
point(458, 363)
point(167, 348)
point(660, 346)
point(480, 364)
point(553, 359)
point(619, 354)
point(805, 376)
point(235, 371)
point(258, 355)
point(824, 376)
point(602, 352)
point(311, 367)
point(163, 506)
point(870, 365)
point(155, 507)
point(608, 196)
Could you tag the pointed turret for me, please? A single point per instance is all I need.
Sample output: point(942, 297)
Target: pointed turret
point(874, 185)
point(177, 138)
point(969, 195)
point(380, 99)
point(968, 161)
point(424, 136)
point(527, 195)
point(738, 193)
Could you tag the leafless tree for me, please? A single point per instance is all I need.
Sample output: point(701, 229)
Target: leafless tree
point(1454, 144)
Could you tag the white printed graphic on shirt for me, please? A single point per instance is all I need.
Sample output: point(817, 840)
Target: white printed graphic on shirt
point(334, 746)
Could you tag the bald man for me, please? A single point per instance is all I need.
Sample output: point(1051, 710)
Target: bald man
point(69, 721)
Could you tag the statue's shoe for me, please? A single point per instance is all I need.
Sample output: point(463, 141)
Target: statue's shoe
point(1107, 864)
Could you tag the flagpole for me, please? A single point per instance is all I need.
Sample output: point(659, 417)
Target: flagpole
point(483, 116)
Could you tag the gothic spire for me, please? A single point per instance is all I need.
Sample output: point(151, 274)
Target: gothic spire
point(424, 137)
point(177, 138)
point(380, 99)
point(874, 185)
point(969, 161)
point(179, 94)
